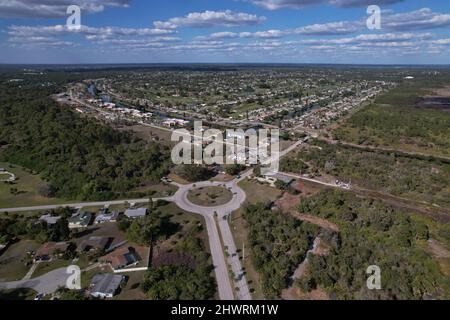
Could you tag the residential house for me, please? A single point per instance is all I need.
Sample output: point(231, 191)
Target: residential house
point(136, 213)
point(104, 216)
point(49, 219)
point(121, 258)
point(106, 285)
point(287, 180)
point(80, 220)
point(94, 243)
point(51, 250)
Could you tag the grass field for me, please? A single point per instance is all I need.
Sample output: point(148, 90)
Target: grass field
point(158, 190)
point(12, 261)
point(259, 192)
point(27, 189)
point(210, 196)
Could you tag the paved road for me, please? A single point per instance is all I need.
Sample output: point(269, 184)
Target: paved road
point(180, 198)
point(46, 284)
point(210, 214)
point(79, 205)
point(222, 211)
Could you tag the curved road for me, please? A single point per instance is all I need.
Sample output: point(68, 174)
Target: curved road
point(225, 287)
point(218, 256)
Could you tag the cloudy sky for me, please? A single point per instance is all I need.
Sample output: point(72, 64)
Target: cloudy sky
point(282, 31)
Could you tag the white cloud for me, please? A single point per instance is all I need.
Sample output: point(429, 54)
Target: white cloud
point(441, 41)
point(421, 19)
point(39, 41)
point(31, 9)
point(92, 32)
point(332, 28)
point(269, 34)
point(209, 19)
point(299, 4)
point(282, 4)
point(361, 3)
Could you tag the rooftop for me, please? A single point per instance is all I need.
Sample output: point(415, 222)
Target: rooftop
point(134, 213)
point(105, 284)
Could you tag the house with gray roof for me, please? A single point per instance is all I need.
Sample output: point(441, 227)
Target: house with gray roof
point(136, 213)
point(106, 285)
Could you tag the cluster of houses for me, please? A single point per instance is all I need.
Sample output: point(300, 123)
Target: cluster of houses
point(119, 257)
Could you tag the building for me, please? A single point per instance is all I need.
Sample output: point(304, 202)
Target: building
point(287, 180)
point(51, 250)
point(80, 220)
point(106, 285)
point(94, 243)
point(136, 213)
point(175, 123)
point(104, 216)
point(121, 258)
point(49, 219)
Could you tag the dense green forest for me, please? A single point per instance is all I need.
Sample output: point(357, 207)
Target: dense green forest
point(188, 278)
point(279, 244)
point(399, 175)
point(80, 158)
point(372, 233)
point(401, 119)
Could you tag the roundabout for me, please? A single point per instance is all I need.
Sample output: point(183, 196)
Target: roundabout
point(210, 196)
point(6, 176)
point(197, 197)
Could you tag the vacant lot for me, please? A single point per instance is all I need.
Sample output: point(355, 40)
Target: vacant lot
point(12, 262)
point(132, 290)
point(210, 196)
point(404, 176)
point(158, 190)
point(150, 134)
point(24, 191)
point(259, 192)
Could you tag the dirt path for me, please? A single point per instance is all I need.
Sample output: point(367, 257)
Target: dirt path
point(325, 224)
point(438, 250)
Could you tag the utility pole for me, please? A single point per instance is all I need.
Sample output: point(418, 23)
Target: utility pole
point(243, 251)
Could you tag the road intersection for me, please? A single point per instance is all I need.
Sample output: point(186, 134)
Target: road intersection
point(215, 218)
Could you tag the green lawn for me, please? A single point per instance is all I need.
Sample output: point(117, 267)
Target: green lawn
point(210, 196)
point(27, 186)
point(12, 261)
point(46, 267)
point(258, 192)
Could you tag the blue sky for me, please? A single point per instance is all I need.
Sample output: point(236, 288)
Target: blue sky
point(276, 31)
